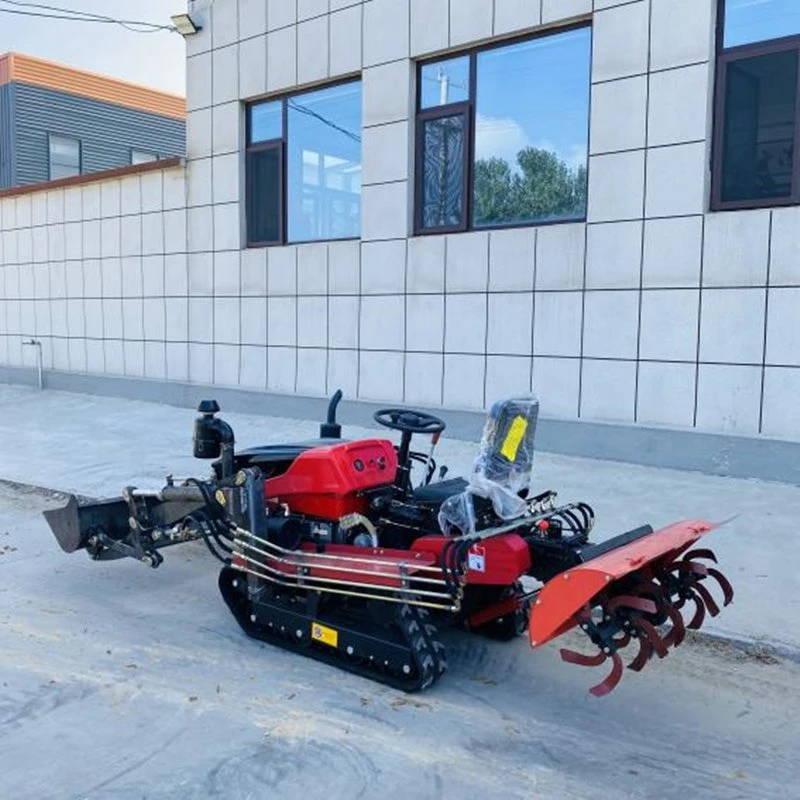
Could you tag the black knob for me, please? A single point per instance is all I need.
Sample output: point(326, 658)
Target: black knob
point(209, 407)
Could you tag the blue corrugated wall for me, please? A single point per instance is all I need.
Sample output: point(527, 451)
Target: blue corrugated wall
point(6, 137)
point(107, 132)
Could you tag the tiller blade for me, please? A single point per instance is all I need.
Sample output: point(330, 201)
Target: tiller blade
point(630, 591)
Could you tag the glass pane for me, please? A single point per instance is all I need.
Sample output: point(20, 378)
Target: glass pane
point(63, 171)
point(66, 152)
point(444, 82)
point(266, 122)
point(748, 21)
point(263, 195)
point(443, 172)
point(759, 127)
point(140, 157)
point(532, 131)
point(324, 164)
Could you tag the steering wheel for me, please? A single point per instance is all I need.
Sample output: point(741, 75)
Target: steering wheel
point(409, 421)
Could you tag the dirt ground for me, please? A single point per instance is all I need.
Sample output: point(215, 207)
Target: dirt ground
point(117, 681)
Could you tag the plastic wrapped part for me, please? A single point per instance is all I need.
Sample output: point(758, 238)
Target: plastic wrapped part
point(506, 450)
point(502, 467)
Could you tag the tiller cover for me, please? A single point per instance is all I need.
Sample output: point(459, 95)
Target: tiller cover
point(630, 593)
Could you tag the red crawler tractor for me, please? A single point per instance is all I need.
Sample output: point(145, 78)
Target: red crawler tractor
point(331, 551)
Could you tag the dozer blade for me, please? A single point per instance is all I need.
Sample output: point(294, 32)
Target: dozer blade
point(634, 584)
point(74, 524)
point(104, 528)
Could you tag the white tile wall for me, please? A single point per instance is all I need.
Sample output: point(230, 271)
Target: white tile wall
point(465, 323)
point(611, 322)
point(620, 41)
point(736, 249)
point(666, 394)
point(386, 31)
point(616, 188)
point(624, 99)
point(676, 180)
point(669, 324)
point(470, 21)
point(455, 319)
point(430, 26)
point(614, 255)
point(556, 383)
point(607, 390)
point(513, 15)
point(732, 325)
point(728, 398)
point(678, 105)
point(682, 32)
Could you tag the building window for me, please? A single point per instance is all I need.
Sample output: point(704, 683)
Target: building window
point(65, 157)
point(502, 135)
point(757, 87)
point(304, 167)
point(142, 157)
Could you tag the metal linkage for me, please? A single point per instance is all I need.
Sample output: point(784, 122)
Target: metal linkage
point(264, 559)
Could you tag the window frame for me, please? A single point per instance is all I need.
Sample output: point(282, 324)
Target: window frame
point(726, 56)
point(50, 137)
point(469, 108)
point(281, 143)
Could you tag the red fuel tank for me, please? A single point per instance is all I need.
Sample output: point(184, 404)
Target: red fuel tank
point(326, 481)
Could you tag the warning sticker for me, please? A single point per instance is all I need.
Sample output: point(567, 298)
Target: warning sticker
point(321, 633)
point(514, 438)
point(476, 559)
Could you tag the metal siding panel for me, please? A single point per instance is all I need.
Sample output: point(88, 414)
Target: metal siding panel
point(6, 138)
point(107, 132)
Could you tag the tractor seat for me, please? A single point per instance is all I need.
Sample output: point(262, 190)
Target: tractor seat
point(434, 494)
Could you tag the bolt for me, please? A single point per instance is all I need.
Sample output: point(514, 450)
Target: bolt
point(252, 618)
point(350, 650)
point(406, 669)
point(235, 584)
point(299, 633)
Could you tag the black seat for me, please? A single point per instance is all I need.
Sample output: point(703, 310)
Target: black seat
point(434, 494)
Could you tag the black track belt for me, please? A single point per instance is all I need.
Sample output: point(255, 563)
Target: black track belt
point(408, 656)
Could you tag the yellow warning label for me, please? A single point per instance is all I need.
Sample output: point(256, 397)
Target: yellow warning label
point(514, 438)
point(320, 633)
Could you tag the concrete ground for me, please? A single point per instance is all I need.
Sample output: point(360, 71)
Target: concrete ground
point(123, 682)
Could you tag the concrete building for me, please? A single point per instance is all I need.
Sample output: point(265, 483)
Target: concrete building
point(440, 202)
point(56, 122)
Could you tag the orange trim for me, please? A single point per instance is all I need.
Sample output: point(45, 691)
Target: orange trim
point(17, 68)
point(91, 177)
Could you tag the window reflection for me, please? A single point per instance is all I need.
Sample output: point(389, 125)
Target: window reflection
point(324, 164)
point(531, 130)
point(759, 127)
point(444, 82)
point(443, 172)
point(266, 122)
point(748, 21)
point(65, 157)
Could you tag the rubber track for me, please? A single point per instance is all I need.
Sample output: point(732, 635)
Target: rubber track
point(420, 634)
